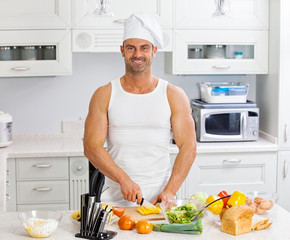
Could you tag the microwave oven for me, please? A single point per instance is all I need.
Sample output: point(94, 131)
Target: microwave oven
point(225, 122)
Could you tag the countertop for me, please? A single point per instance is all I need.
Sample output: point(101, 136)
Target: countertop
point(59, 145)
point(11, 229)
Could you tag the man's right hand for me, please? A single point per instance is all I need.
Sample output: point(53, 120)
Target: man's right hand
point(131, 191)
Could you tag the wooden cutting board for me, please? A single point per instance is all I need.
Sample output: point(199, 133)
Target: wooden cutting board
point(132, 212)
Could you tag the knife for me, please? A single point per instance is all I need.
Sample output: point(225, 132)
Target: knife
point(145, 203)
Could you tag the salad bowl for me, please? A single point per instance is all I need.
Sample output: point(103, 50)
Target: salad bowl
point(181, 210)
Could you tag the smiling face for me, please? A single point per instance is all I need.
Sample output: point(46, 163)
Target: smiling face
point(138, 54)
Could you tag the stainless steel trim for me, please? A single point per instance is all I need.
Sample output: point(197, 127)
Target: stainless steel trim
point(233, 161)
point(221, 67)
point(20, 68)
point(42, 165)
point(42, 189)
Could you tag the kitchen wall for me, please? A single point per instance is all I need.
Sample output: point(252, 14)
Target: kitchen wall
point(40, 104)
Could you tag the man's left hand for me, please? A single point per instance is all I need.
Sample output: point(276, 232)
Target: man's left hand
point(163, 196)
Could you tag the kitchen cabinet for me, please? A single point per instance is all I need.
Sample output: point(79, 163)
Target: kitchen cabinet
point(242, 171)
point(95, 33)
point(46, 183)
point(11, 186)
point(35, 14)
point(35, 53)
point(252, 44)
point(237, 14)
point(283, 179)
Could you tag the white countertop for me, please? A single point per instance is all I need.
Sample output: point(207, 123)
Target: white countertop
point(59, 145)
point(11, 229)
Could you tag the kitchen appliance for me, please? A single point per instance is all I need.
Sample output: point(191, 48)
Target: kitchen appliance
point(5, 129)
point(225, 122)
point(93, 216)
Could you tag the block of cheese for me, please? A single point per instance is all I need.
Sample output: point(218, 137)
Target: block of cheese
point(237, 220)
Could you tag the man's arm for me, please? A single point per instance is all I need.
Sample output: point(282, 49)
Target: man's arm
point(184, 135)
point(95, 135)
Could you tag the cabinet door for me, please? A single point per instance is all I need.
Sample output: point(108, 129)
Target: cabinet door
point(283, 181)
point(233, 14)
point(252, 44)
point(19, 14)
point(11, 186)
point(247, 172)
point(84, 16)
point(25, 61)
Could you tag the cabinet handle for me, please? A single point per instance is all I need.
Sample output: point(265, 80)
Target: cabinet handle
point(233, 161)
point(286, 133)
point(20, 68)
point(119, 20)
point(8, 172)
point(8, 196)
point(8, 183)
point(79, 168)
point(42, 165)
point(285, 169)
point(42, 189)
point(221, 67)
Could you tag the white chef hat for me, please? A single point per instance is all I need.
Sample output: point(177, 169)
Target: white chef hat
point(144, 26)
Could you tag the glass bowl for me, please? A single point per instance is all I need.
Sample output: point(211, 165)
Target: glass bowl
point(262, 203)
point(40, 223)
point(173, 212)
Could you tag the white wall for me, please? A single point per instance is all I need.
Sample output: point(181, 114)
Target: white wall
point(39, 104)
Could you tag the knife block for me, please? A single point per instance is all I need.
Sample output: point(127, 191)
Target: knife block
point(93, 216)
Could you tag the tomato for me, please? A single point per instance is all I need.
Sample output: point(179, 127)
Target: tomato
point(225, 200)
point(126, 222)
point(119, 211)
point(144, 226)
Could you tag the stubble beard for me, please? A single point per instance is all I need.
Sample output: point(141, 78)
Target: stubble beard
point(138, 69)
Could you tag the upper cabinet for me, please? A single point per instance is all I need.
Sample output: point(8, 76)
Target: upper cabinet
point(219, 52)
point(221, 14)
point(86, 13)
point(35, 53)
point(219, 37)
point(93, 32)
point(35, 14)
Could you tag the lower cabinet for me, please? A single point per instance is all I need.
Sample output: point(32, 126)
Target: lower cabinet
point(214, 172)
point(283, 180)
point(46, 183)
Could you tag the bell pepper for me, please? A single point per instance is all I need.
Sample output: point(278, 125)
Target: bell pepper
point(215, 208)
point(237, 198)
point(225, 200)
point(146, 210)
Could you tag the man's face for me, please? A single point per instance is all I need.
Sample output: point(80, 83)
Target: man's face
point(138, 54)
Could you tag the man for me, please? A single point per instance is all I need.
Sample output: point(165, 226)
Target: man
point(136, 115)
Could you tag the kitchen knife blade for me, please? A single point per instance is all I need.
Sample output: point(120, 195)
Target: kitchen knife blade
point(145, 203)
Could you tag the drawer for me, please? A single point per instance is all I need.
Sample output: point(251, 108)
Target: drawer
point(29, 207)
point(42, 192)
point(247, 172)
point(42, 168)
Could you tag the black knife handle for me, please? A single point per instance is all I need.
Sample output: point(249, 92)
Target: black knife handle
point(93, 182)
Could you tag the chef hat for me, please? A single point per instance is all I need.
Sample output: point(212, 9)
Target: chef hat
point(144, 26)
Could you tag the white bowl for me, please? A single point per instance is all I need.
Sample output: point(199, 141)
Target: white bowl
point(40, 223)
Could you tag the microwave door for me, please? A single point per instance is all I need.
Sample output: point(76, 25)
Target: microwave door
point(222, 125)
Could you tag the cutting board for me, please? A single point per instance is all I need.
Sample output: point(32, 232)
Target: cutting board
point(132, 212)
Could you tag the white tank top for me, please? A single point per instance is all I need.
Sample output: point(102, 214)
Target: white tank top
point(139, 134)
